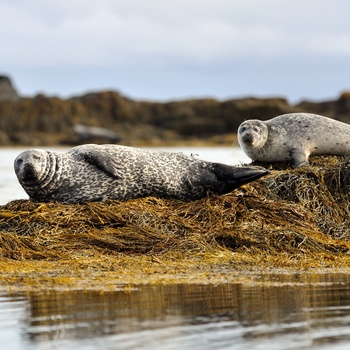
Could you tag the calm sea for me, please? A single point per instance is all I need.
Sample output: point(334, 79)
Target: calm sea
point(308, 312)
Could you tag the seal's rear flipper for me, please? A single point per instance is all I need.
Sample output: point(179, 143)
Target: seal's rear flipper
point(231, 177)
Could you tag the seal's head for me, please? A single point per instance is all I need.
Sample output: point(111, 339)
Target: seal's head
point(252, 134)
point(30, 167)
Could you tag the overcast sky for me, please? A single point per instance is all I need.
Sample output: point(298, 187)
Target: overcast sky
point(164, 50)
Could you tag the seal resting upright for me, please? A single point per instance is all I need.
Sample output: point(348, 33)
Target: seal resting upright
point(293, 137)
point(99, 172)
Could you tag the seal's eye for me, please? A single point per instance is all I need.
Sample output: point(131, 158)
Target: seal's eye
point(36, 157)
point(19, 161)
point(242, 129)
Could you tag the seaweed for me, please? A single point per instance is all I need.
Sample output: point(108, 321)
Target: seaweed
point(297, 218)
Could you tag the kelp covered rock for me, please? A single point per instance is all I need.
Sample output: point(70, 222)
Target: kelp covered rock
point(291, 221)
point(295, 211)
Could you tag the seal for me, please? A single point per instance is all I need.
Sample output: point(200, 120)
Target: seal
point(293, 137)
point(92, 172)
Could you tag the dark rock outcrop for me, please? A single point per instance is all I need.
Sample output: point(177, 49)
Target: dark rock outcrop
point(338, 109)
point(43, 120)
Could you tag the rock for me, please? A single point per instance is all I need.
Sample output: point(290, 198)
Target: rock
point(338, 109)
point(43, 120)
point(94, 134)
point(7, 91)
point(344, 102)
point(4, 139)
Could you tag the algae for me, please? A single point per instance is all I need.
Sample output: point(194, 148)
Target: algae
point(292, 219)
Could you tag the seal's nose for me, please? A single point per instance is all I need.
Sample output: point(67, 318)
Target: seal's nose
point(28, 173)
point(247, 138)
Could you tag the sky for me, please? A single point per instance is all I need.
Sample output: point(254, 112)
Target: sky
point(172, 50)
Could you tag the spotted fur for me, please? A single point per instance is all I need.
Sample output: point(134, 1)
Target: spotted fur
point(293, 137)
point(100, 172)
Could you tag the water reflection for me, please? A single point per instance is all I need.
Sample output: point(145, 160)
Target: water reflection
point(299, 313)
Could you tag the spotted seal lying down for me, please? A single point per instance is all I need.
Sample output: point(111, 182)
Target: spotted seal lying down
point(99, 172)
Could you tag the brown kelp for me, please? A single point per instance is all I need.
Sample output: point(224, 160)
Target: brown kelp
point(292, 218)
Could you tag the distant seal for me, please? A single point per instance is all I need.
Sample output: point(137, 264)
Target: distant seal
point(99, 172)
point(293, 137)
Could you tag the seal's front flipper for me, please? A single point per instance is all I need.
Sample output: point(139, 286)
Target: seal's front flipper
point(107, 163)
point(299, 158)
point(231, 177)
point(99, 158)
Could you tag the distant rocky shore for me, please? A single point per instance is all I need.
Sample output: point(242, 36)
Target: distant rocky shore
point(108, 116)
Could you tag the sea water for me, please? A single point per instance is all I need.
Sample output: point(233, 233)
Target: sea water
point(299, 313)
